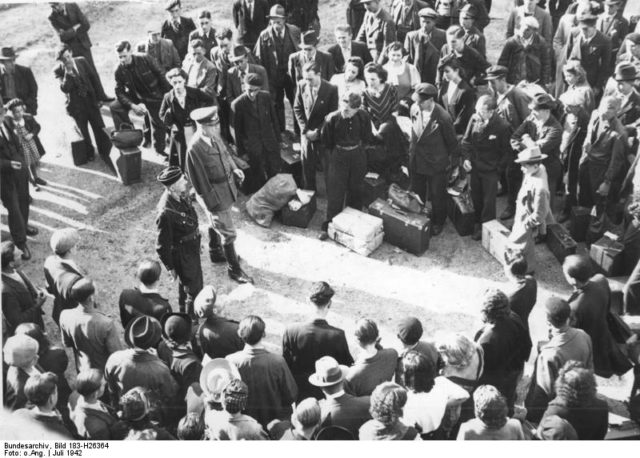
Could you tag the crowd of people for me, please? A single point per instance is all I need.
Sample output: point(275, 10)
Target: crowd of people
point(406, 91)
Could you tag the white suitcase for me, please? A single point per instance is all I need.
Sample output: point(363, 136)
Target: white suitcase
point(358, 224)
point(360, 246)
point(495, 239)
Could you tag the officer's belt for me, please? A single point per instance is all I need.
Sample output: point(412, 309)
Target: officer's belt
point(190, 238)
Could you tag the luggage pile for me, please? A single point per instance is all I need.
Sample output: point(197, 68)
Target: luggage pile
point(358, 231)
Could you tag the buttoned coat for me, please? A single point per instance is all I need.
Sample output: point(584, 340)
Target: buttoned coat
point(322, 58)
point(424, 55)
point(537, 59)
point(606, 147)
point(63, 26)
point(325, 103)
point(265, 50)
point(19, 303)
point(255, 125)
point(70, 85)
point(378, 30)
point(434, 149)
point(180, 37)
point(595, 57)
point(60, 277)
point(249, 27)
point(461, 106)
point(616, 28)
point(487, 146)
point(151, 77)
point(26, 87)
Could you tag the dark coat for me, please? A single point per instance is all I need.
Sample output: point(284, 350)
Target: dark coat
point(184, 364)
point(595, 57)
point(591, 422)
point(304, 344)
point(606, 148)
point(355, 15)
point(207, 77)
point(63, 26)
point(180, 37)
point(322, 58)
point(629, 114)
point(325, 103)
point(536, 56)
point(209, 41)
point(87, 79)
point(26, 87)
point(487, 147)
point(377, 31)
point(425, 55)
point(218, 337)
point(60, 277)
point(234, 85)
point(265, 52)
point(134, 303)
point(476, 40)
point(514, 107)
point(249, 28)
point(357, 50)
point(221, 60)
point(302, 13)
point(154, 82)
point(19, 303)
point(523, 298)
point(55, 359)
point(347, 411)
point(435, 149)
point(255, 125)
point(473, 63)
point(93, 424)
point(14, 397)
point(549, 139)
point(32, 126)
point(169, 57)
point(461, 107)
point(616, 28)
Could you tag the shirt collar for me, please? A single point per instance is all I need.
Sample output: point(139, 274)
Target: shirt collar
point(335, 395)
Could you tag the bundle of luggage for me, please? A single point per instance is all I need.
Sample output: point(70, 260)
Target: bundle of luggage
point(357, 230)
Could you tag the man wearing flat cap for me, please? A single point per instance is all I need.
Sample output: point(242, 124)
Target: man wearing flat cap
point(309, 52)
point(527, 55)
point(213, 174)
point(257, 132)
point(17, 81)
point(178, 241)
point(423, 46)
point(249, 19)
point(378, 29)
point(471, 61)
point(177, 28)
point(304, 343)
point(473, 37)
point(240, 68)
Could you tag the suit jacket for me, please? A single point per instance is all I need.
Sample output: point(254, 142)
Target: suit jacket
point(53, 424)
point(255, 125)
point(355, 14)
point(223, 65)
point(513, 107)
point(487, 147)
point(425, 55)
point(629, 114)
point(32, 126)
point(325, 103)
point(60, 277)
point(155, 84)
point(207, 75)
point(249, 27)
point(168, 54)
point(473, 63)
point(19, 303)
point(265, 52)
point(174, 116)
point(378, 31)
point(180, 37)
point(303, 344)
point(324, 60)
point(462, 105)
point(209, 40)
point(347, 411)
point(594, 57)
point(234, 86)
point(357, 50)
point(80, 90)
point(435, 148)
point(616, 28)
point(26, 87)
point(606, 147)
point(218, 337)
point(14, 397)
point(542, 16)
point(62, 25)
point(476, 40)
point(410, 21)
point(535, 57)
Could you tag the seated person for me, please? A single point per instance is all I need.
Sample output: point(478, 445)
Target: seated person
point(144, 298)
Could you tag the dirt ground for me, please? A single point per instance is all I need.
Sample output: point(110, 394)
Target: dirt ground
point(116, 222)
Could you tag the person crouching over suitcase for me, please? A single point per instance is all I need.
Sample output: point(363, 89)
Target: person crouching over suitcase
point(533, 209)
point(343, 134)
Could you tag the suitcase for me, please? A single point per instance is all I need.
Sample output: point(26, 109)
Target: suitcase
point(129, 166)
point(360, 246)
point(300, 218)
point(79, 152)
point(495, 239)
point(373, 188)
point(606, 253)
point(358, 224)
point(560, 242)
point(461, 213)
point(409, 231)
point(580, 218)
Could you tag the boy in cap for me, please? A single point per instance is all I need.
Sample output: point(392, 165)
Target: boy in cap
point(178, 241)
point(177, 28)
point(423, 46)
point(309, 52)
point(409, 334)
point(626, 77)
point(213, 175)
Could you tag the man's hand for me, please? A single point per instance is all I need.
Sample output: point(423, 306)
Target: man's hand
point(139, 108)
point(466, 165)
point(312, 135)
point(604, 188)
point(239, 174)
point(16, 165)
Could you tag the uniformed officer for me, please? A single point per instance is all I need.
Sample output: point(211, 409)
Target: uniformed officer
point(212, 173)
point(178, 243)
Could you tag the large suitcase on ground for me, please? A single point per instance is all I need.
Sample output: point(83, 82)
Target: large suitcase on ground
point(129, 165)
point(409, 231)
point(360, 246)
point(606, 253)
point(358, 231)
point(373, 188)
point(580, 217)
point(560, 242)
point(461, 213)
point(301, 217)
point(79, 152)
point(495, 239)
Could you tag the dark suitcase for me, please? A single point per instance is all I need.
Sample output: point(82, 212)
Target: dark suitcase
point(300, 218)
point(461, 213)
point(580, 218)
point(374, 188)
point(129, 166)
point(79, 152)
point(560, 242)
point(409, 231)
point(606, 253)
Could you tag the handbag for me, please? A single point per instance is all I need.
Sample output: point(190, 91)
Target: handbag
point(127, 137)
point(406, 200)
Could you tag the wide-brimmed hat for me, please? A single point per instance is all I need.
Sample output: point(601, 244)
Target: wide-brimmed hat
point(625, 72)
point(143, 332)
point(530, 156)
point(542, 101)
point(277, 11)
point(633, 38)
point(216, 375)
point(328, 372)
point(237, 53)
point(177, 327)
point(7, 53)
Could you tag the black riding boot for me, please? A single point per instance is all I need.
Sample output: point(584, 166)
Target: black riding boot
point(215, 247)
point(235, 271)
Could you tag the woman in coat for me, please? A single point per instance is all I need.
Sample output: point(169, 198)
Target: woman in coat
point(456, 96)
point(176, 106)
point(27, 129)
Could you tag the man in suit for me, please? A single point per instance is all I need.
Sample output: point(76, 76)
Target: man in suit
point(177, 28)
point(355, 14)
point(378, 29)
point(423, 46)
point(220, 58)
point(14, 187)
point(471, 61)
point(205, 33)
point(315, 99)
point(140, 87)
point(405, 14)
point(216, 336)
point(71, 26)
point(161, 50)
point(303, 14)
point(614, 25)
point(433, 151)
point(79, 82)
point(201, 73)
point(275, 44)
point(626, 76)
point(309, 52)
point(603, 155)
point(473, 38)
point(305, 343)
point(235, 86)
point(257, 133)
point(485, 151)
point(338, 408)
point(213, 174)
point(346, 47)
point(250, 19)
point(17, 81)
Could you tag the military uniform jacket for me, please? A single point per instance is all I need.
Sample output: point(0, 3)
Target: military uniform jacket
point(177, 224)
point(210, 170)
point(377, 31)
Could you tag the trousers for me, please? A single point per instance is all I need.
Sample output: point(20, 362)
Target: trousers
point(484, 189)
point(436, 187)
point(120, 115)
point(90, 116)
point(312, 155)
point(14, 193)
point(279, 89)
point(222, 223)
point(345, 180)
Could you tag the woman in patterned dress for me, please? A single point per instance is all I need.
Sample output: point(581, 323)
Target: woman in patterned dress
point(27, 129)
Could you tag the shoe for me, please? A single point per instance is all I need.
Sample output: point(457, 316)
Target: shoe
point(323, 236)
point(508, 213)
point(234, 270)
point(146, 143)
point(437, 229)
point(216, 253)
point(41, 182)
point(31, 231)
point(26, 253)
point(36, 188)
point(477, 233)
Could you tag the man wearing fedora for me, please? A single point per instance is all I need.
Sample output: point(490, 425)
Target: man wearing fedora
point(178, 240)
point(533, 209)
point(614, 25)
point(305, 343)
point(378, 29)
point(161, 50)
point(17, 81)
point(273, 48)
point(626, 76)
point(241, 67)
point(177, 28)
point(216, 336)
point(309, 52)
point(338, 408)
point(423, 46)
point(250, 19)
point(213, 174)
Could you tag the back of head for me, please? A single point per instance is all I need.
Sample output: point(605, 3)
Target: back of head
point(321, 294)
point(366, 332)
point(387, 402)
point(190, 428)
point(205, 301)
point(21, 351)
point(517, 266)
point(575, 385)
point(148, 272)
point(558, 311)
point(135, 405)
point(409, 331)
point(456, 349)
point(35, 332)
point(88, 381)
point(63, 240)
point(495, 305)
point(251, 329)
point(234, 396)
point(40, 387)
point(418, 372)
point(578, 267)
point(490, 406)
point(82, 290)
point(307, 413)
